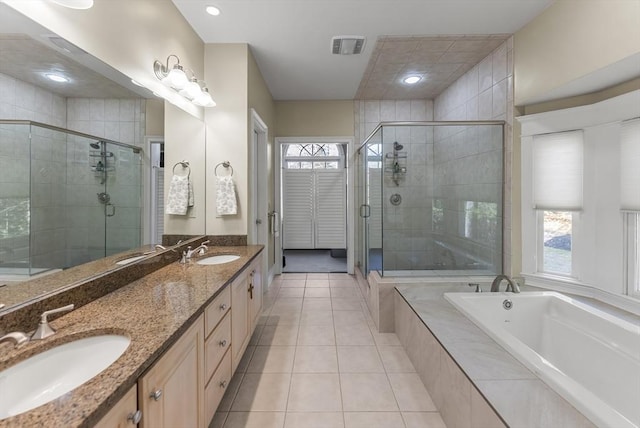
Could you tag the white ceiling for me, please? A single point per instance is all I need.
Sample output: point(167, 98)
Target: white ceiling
point(291, 39)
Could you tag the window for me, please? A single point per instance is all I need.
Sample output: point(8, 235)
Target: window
point(555, 241)
point(481, 221)
point(313, 156)
point(632, 254)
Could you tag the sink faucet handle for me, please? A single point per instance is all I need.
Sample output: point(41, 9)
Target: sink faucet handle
point(44, 330)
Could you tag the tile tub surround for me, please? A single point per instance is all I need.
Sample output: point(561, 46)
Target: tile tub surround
point(379, 292)
point(471, 378)
point(78, 285)
point(152, 311)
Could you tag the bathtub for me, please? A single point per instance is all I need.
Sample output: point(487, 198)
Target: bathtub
point(588, 356)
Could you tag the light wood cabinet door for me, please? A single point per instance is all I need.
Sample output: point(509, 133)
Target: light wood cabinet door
point(255, 291)
point(239, 318)
point(172, 391)
point(124, 414)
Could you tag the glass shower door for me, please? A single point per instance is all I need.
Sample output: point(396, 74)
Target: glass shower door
point(122, 198)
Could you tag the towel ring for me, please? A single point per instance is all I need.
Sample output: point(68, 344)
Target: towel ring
point(225, 164)
point(184, 165)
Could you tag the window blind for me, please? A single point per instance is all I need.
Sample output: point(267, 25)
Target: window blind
point(630, 165)
point(557, 171)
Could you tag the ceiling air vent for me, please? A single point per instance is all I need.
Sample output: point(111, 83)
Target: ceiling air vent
point(347, 45)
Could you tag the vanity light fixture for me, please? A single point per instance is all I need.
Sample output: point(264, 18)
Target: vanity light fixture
point(412, 80)
point(212, 10)
point(175, 77)
point(74, 4)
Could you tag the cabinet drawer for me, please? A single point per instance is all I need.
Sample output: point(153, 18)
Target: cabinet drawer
point(216, 345)
point(217, 386)
point(216, 310)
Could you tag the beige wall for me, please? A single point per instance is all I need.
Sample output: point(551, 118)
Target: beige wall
point(126, 34)
point(226, 72)
point(572, 39)
point(314, 118)
point(184, 140)
point(154, 116)
point(261, 101)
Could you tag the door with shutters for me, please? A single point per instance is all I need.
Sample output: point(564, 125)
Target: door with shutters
point(314, 194)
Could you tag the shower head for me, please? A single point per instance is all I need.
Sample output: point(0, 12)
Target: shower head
point(397, 146)
point(95, 145)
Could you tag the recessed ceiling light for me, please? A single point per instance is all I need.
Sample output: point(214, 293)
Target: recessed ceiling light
point(56, 77)
point(75, 4)
point(212, 10)
point(411, 80)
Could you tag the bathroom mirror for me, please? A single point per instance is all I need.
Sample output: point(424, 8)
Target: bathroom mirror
point(80, 202)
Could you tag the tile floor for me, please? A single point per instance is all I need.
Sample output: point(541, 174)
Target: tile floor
point(317, 361)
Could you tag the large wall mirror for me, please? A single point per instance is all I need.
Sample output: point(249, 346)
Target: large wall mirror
point(81, 159)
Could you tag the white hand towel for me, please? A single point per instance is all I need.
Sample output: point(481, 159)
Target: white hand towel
point(191, 201)
point(226, 196)
point(178, 198)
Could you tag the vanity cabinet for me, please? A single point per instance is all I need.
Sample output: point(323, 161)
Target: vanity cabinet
point(240, 323)
point(255, 291)
point(124, 414)
point(170, 392)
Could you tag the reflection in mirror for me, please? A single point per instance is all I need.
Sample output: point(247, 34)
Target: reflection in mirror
point(66, 197)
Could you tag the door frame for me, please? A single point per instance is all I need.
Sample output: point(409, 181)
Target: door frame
point(349, 162)
point(148, 224)
point(258, 188)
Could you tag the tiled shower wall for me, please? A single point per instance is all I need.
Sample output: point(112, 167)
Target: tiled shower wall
point(486, 93)
point(67, 221)
point(406, 225)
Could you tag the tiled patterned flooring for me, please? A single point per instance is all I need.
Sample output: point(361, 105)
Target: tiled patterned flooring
point(317, 361)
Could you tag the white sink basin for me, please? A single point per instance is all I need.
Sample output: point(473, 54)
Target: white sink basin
point(51, 374)
point(130, 259)
point(218, 260)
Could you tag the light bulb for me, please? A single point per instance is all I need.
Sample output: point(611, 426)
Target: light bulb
point(204, 99)
point(191, 90)
point(177, 78)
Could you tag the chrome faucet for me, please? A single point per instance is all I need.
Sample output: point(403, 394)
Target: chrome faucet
point(160, 247)
point(199, 250)
point(18, 338)
point(511, 286)
point(44, 330)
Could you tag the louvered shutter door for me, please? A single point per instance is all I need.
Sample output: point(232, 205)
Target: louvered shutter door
point(298, 209)
point(159, 214)
point(330, 192)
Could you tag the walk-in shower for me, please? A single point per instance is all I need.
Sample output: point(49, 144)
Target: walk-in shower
point(66, 197)
point(431, 199)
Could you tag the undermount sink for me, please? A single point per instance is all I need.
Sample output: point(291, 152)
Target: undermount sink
point(130, 259)
point(218, 260)
point(51, 374)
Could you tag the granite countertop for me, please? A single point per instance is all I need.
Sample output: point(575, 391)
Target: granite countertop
point(152, 311)
point(504, 382)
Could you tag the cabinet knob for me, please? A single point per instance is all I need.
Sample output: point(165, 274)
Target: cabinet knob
point(223, 384)
point(223, 306)
point(135, 417)
point(156, 394)
point(222, 343)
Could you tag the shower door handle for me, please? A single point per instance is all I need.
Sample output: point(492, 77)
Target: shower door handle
point(365, 211)
point(113, 210)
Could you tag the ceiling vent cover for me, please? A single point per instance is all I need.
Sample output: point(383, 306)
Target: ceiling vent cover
point(347, 45)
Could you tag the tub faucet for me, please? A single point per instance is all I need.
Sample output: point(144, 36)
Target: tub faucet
point(18, 338)
point(511, 286)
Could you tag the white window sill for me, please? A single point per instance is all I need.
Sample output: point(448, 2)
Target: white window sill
point(573, 286)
